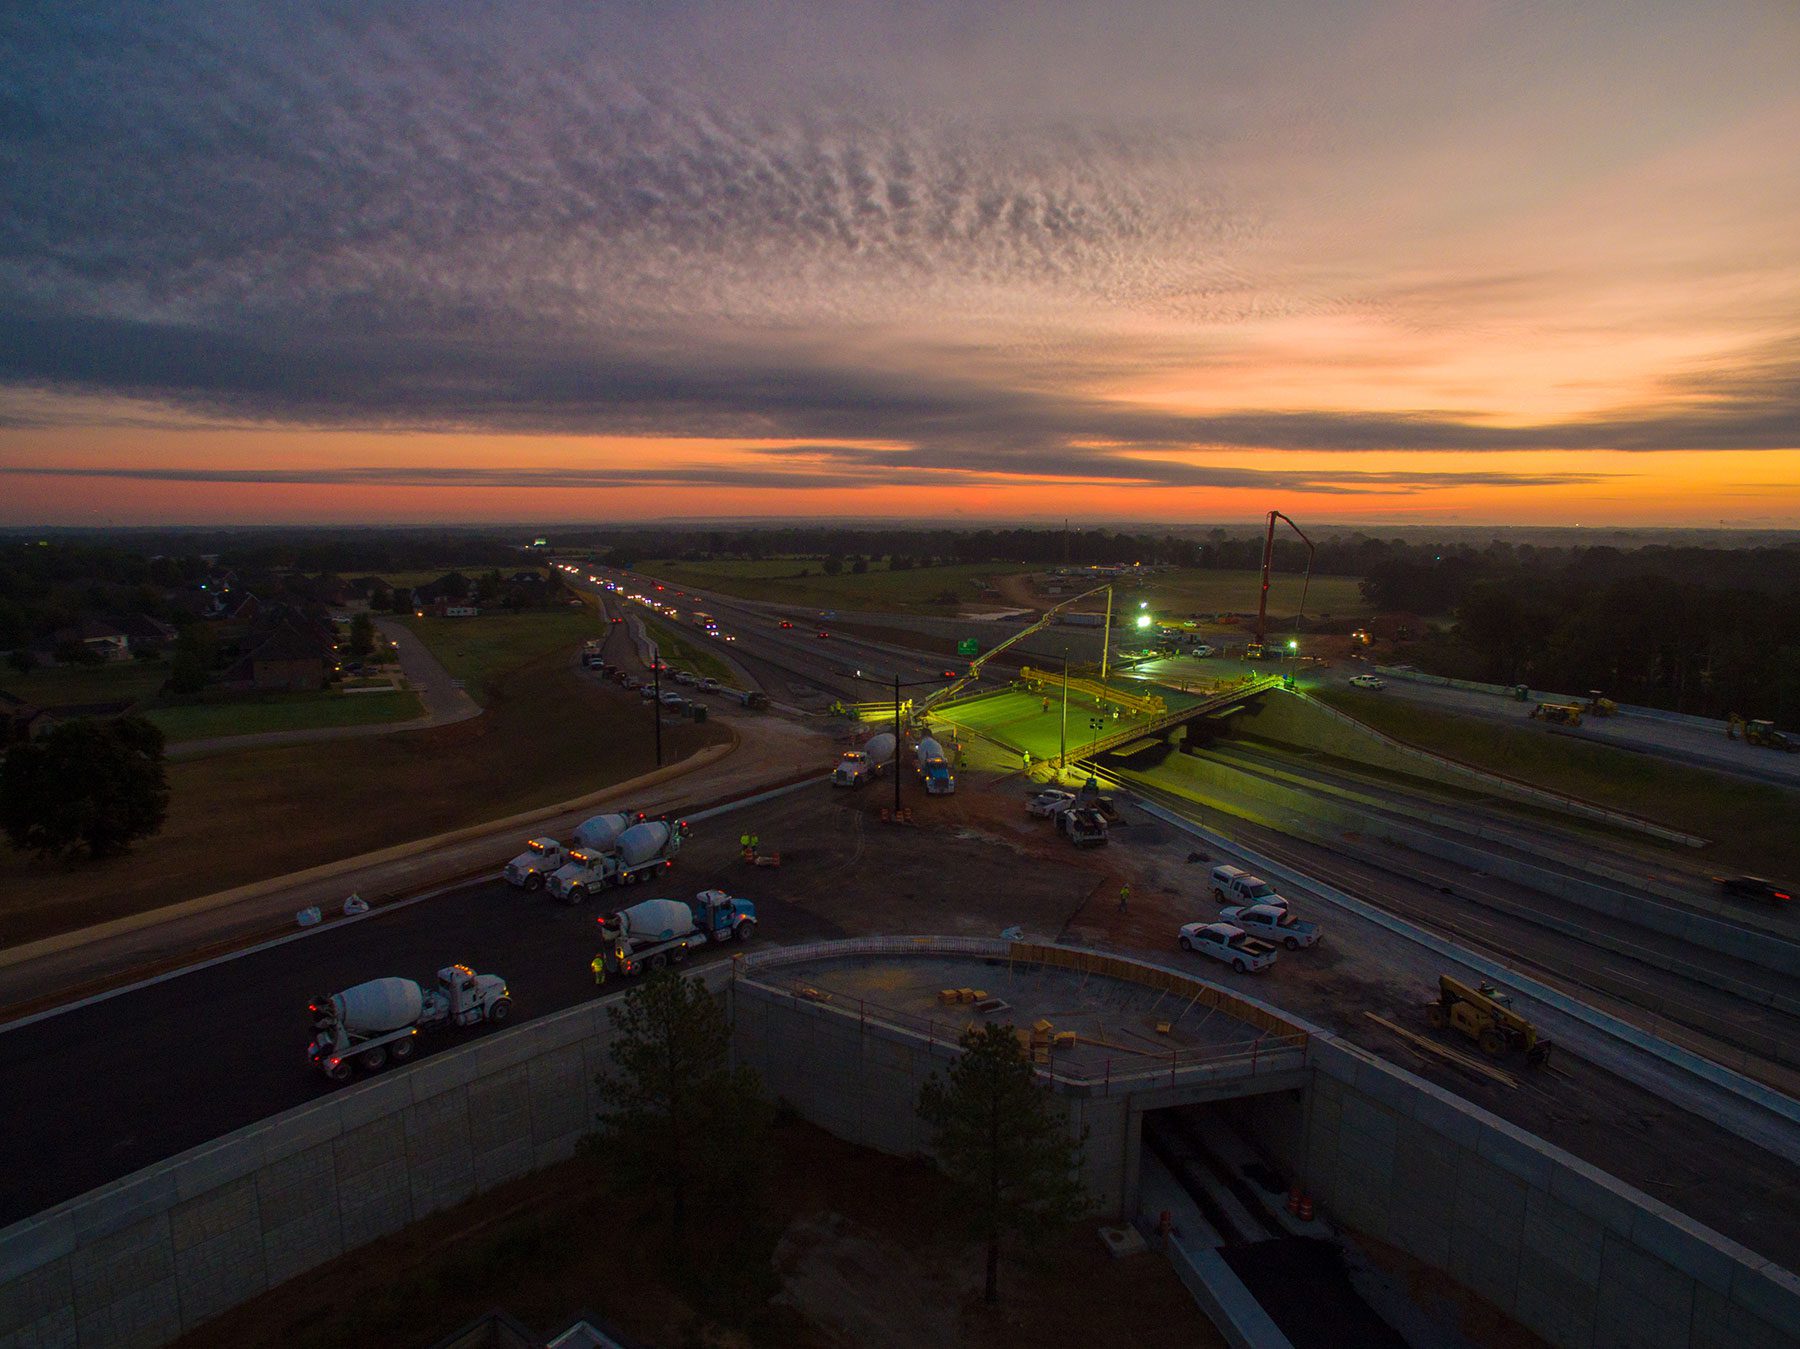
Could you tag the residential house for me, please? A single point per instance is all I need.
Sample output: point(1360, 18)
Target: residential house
point(103, 639)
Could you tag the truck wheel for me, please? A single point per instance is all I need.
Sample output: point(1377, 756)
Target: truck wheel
point(743, 932)
point(534, 881)
point(339, 1072)
point(1492, 1042)
point(1238, 965)
point(1186, 945)
point(1218, 896)
point(1435, 1015)
point(501, 1012)
point(373, 1060)
point(402, 1050)
point(1292, 943)
point(656, 962)
point(577, 895)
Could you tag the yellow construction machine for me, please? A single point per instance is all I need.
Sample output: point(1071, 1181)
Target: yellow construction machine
point(1485, 1015)
point(1599, 705)
point(1562, 714)
point(1760, 733)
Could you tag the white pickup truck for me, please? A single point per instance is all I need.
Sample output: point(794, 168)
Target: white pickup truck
point(1271, 924)
point(1234, 885)
point(1222, 941)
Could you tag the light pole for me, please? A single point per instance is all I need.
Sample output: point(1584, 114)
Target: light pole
point(1062, 755)
point(656, 702)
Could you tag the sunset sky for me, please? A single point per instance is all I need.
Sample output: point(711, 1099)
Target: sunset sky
point(1190, 260)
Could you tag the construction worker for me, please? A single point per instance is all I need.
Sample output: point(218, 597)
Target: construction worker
point(744, 841)
point(1124, 896)
point(1027, 757)
point(598, 966)
point(1046, 704)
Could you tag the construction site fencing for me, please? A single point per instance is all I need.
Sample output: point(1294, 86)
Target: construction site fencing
point(1280, 1046)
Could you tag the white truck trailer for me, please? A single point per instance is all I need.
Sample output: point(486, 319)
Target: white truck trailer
point(658, 932)
point(859, 767)
point(638, 853)
point(367, 1025)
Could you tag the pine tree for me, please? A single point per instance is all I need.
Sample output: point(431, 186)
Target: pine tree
point(1004, 1142)
point(675, 1096)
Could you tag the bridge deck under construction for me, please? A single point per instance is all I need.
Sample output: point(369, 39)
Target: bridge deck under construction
point(1100, 716)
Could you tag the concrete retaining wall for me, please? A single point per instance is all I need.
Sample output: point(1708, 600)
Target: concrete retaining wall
point(1583, 1260)
point(1712, 724)
point(147, 1258)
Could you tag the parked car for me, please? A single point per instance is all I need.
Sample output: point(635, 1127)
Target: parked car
point(1271, 924)
point(1368, 681)
point(1202, 649)
point(1045, 805)
point(647, 693)
point(1222, 941)
point(673, 699)
point(683, 677)
point(709, 685)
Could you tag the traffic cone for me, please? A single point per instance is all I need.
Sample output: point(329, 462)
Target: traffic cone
point(1306, 1208)
point(1293, 1204)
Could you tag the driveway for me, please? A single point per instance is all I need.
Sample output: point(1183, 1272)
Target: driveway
point(444, 698)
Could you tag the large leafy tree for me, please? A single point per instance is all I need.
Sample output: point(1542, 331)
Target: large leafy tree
point(1005, 1144)
point(681, 1121)
point(87, 785)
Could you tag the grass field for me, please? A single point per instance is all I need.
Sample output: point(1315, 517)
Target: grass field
point(777, 581)
point(241, 817)
point(476, 650)
point(687, 653)
point(285, 712)
point(1752, 823)
point(87, 683)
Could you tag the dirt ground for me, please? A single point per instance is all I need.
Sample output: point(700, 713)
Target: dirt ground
point(548, 735)
point(866, 1255)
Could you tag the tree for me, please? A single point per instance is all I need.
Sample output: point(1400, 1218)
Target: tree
point(362, 637)
point(88, 784)
point(195, 650)
point(675, 1097)
point(74, 652)
point(834, 565)
point(1004, 1142)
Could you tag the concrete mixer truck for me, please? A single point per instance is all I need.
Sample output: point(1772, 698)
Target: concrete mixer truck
point(935, 768)
point(600, 832)
point(858, 767)
point(639, 852)
point(658, 932)
point(369, 1024)
point(541, 859)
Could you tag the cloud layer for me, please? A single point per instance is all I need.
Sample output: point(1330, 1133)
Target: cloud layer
point(1061, 242)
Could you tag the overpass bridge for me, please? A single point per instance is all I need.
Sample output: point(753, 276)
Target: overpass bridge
point(1029, 715)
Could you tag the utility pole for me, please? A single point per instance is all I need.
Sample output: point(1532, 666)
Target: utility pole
point(1062, 756)
point(1106, 635)
point(656, 702)
point(897, 744)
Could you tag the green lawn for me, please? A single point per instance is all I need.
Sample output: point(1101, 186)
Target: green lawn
point(681, 653)
point(87, 683)
point(778, 580)
point(284, 712)
point(479, 650)
point(1752, 823)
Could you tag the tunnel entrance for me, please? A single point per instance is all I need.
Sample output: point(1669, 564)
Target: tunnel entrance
point(1225, 1192)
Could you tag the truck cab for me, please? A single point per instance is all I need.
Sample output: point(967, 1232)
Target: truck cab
point(722, 917)
point(853, 769)
point(540, 860)
point(586, 871)
point(465, 997)
point(1083, 826)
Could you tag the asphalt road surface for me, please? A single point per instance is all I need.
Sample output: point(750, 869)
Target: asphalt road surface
point(97, 1093)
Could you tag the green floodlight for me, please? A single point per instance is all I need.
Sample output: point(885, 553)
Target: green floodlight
point(1293, 645)
point(1143, 620)
point(1143, 604)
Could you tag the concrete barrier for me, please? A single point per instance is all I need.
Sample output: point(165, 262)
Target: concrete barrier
point(1688, 719)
